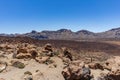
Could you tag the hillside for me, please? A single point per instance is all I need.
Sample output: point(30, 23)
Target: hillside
point(66, 34)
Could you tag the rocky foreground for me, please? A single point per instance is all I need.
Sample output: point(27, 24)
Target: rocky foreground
point(30, 62)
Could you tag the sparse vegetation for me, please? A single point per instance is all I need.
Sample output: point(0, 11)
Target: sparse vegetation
point(18, 64)
point(56, 53)
point(28, 72)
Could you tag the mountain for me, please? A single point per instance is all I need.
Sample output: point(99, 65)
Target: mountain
point(113, 33)
point(67, 34)
point(61, 34)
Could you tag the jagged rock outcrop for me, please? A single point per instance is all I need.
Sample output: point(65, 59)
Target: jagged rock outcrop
point(113, 66)
point(48, 50)
point(67, 54)
point(80, 72)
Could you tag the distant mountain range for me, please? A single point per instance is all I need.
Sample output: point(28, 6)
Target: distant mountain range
point(67, 34)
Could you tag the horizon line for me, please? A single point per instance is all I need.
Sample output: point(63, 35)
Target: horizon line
point(57, 30)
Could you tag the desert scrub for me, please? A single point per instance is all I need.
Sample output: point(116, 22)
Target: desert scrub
point(28, 72)
point(56, 53)
point(18, 64)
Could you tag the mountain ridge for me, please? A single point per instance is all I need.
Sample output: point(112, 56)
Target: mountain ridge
point(68, 34)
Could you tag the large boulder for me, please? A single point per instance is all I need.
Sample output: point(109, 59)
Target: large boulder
point(73, 72)
point(33, 53)
point(23, 55)
point(110, 76)
point(48, 47)
point(113, 65)
point(48, 50)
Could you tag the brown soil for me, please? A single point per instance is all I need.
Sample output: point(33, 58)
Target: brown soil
point(77, 46)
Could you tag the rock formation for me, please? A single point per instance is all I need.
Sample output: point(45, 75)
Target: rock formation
point(32, 62)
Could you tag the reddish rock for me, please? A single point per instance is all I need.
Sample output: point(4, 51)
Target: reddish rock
point(22, 50)
point(95, 66)
point(73, 72)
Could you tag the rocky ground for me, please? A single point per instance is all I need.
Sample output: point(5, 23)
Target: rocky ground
point(25, 61)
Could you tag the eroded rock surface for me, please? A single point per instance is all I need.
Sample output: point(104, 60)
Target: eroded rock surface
point(43, 64)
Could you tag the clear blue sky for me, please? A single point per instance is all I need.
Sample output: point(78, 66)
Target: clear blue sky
point(20, 16)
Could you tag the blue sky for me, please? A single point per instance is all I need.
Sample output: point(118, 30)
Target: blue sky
point(20, 16)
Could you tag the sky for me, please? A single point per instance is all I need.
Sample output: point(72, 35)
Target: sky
point(21, 16)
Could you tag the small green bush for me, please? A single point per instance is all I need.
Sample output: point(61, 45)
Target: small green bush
point(18, 64)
